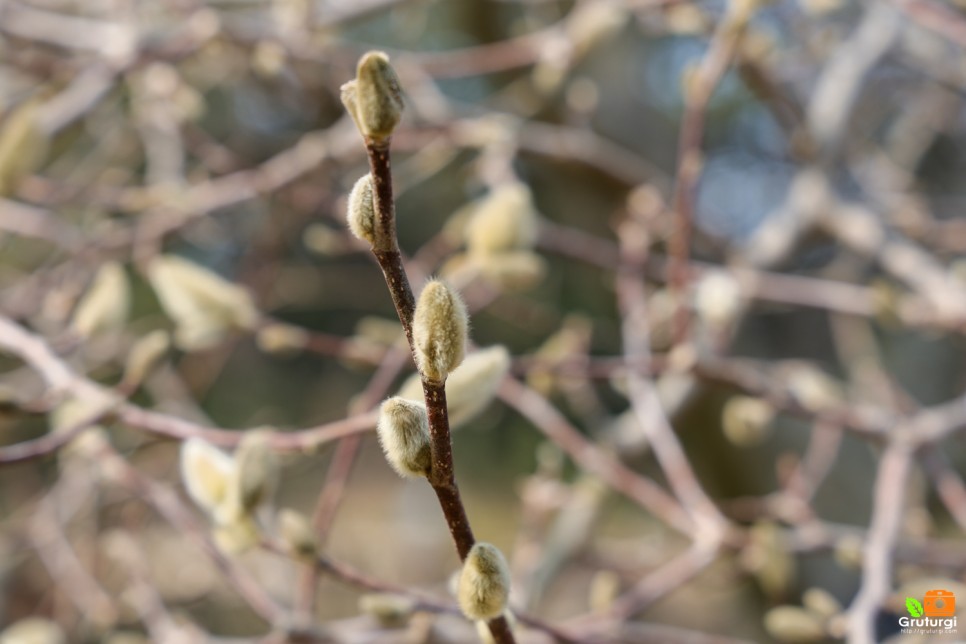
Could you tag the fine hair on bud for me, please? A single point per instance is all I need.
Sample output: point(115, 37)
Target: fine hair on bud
point(205, 470)
point(374, 99)
point(483, 589)
point(361, 214)
point(439, 331)
point(403, 430)
point(504, 220)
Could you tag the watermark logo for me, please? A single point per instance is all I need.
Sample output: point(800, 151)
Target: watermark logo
point(934, 615)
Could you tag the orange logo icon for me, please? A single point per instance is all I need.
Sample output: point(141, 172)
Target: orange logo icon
point(939, 603)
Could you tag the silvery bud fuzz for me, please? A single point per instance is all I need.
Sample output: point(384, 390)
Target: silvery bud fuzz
point(403, 430)
point(439, 331)
point(361, 215)
point(374, 99)
point(483, 589)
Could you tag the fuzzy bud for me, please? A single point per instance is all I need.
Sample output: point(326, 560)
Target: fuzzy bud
point(238, 536)
point(439, 331)
point(203, 305)
point(391, 611)
point(471, 386)
point(105, 305)
point(23, 143)
point(794, 624)
point(513, 271)
point(483, 589)
point(205, 470)
point(403, 430)
point(374, 98)
point(252, 479)
point(144, 357)
point(821, 602)
point(745, 420)
point(297, 535)
point(503, 220)
point(33, 630)
point(279, 338)
point(361, 214)
point(849, 552)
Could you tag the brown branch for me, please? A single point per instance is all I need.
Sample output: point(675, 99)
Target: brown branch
point(441, 477)
point(697, 95)
point(591, 458)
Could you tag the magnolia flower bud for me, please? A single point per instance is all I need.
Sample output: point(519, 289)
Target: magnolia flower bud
point(471, 387)
point(745, 420)
point(203, 305)
point(821, 603)
point(794, 624)
point(252, 480)
point(205, 470)
point(439, 331)
point(104, 306)
point(33, 630)
point(391, 611)
point(374, 99)
point(403, 430)
point(238, 536)
point(281, 338)
point(23, 143)
point(297, 534)
point(513, 271)
point(483, 589)
point(503, 220)
point(144, 357)
point(361, 214)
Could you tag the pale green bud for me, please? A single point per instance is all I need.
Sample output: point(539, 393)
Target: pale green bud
point(483, 589)
point(281, 338)
point(503, 220)
point(439, 331)
point(23, 144)
point(239, 535)
point(361, 215)
point(253, 477)
point(374, 98)
point(297, 534)
point(105, 305)
point(205, 470)
point(391, 611)
point(144, 356)
point(403, 429)
point(33, 630)
point(203, 305)
point(794, 624)
point(471, 387)
point(821, 603)
point(745, 420)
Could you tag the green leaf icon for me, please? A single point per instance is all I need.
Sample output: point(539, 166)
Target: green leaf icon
point(913, 606)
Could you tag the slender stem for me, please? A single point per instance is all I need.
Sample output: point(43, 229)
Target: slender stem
point(441, 476)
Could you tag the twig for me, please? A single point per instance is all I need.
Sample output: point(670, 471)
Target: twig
point(697, 95)
point(593, 459)
point(887, 508)
point(632, 299)
point(441, 476)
